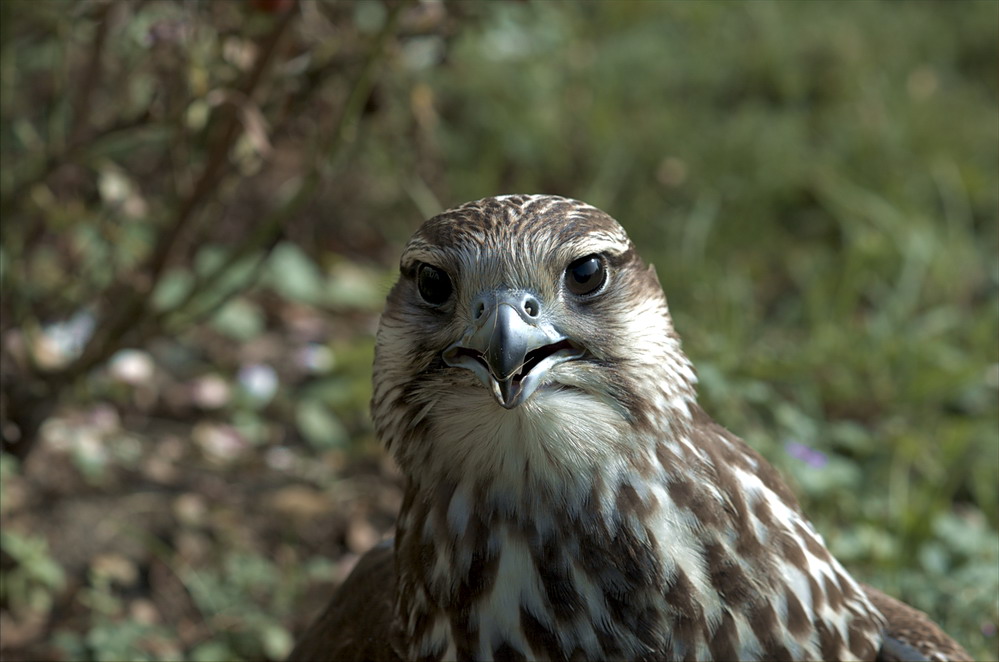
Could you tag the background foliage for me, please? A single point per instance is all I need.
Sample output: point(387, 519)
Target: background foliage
point(203, 203)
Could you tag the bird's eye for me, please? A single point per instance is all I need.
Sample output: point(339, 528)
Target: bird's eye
point(434, 284)
point(585, 275)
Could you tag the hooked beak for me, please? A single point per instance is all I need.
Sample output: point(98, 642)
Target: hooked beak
point(510, 346)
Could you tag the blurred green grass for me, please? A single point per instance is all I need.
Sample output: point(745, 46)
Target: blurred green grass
point(816, 184)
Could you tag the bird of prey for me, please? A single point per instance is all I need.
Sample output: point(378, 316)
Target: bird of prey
point(566, 497)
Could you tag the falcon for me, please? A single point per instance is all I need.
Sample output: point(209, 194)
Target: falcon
point(566, 498)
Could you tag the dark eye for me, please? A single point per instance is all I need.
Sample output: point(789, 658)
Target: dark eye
point(585, 275)
point(433, 283)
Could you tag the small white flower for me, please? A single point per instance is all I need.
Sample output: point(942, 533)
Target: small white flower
point(132, 366)
point(259, 381)
point(210, 391)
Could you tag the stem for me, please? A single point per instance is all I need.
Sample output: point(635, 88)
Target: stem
point(364, 81)
point(88, 81)
point(269, 229)
point(132, 316)
point(124, 317)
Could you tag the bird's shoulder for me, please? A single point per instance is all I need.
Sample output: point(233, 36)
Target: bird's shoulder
point(728, 450)
point(358, 622)
point(909, 634)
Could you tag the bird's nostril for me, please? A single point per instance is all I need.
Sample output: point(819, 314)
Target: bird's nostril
point(531, 307)
point(479, 309)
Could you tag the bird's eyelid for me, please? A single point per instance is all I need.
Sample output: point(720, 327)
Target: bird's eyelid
point(612, 259)
point(413, 257)
point(409, 266)
point(618, 258)
point(612, 251)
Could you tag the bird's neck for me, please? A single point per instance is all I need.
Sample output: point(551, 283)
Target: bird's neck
point(541, 510)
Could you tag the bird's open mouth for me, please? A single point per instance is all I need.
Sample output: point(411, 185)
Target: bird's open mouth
point(536, 356)
point(532, 359)
point(516, 388)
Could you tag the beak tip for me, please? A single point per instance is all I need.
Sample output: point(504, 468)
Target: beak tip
point(507, 392)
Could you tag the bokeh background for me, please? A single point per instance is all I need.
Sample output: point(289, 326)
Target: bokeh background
point(203, 204)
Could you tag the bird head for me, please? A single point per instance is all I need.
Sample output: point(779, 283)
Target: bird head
point(512, 310)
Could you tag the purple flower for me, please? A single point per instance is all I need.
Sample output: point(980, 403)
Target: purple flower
point(807, 454)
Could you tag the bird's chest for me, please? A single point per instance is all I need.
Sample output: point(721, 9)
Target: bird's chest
point(536, 555)
point(515, 592)
point(588, 587)
point(633, 577)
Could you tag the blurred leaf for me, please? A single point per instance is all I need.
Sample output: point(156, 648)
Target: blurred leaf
point(318, 425)
point(172, 288)
point(213, 651)
point(250, 426)
point(119, 145)
point(277, 641)
point(369, 16)
point(292, 274)
point(29, 586)
point(352, 286)
point(240, 319)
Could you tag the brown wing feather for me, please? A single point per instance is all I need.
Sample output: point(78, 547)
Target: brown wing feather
point(914, 631)
point(357, 624)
